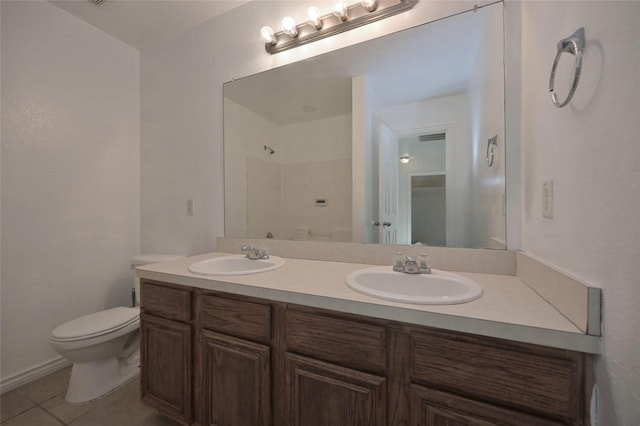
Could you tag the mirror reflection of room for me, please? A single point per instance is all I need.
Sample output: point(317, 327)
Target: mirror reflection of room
point(382, 142)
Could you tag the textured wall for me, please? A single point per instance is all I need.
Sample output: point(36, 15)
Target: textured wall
point(590, 148)
point(70, 176)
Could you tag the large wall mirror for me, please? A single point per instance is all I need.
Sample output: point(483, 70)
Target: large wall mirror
point(398, 140)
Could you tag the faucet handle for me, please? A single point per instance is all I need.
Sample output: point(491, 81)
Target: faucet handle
point(398, 261)
point(264, 252)
point(247, 247)
point(424, 263)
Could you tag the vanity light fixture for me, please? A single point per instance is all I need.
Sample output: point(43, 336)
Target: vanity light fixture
point(370, 5)
point(268, 35)
point(289, 27)
point(340, 10)
point(343, 17)
point(313, 13)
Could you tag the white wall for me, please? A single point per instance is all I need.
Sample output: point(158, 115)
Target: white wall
point(591, 149)
point(324, 139)
point(365, 144)
point(250, 133)
point(487, 191)
point(263, 198)
point(70, 173)
point(260, 182)
point(316, 157)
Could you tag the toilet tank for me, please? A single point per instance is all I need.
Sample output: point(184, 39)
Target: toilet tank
point(147, 259)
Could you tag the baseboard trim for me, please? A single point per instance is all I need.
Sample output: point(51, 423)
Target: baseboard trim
point(30, 374)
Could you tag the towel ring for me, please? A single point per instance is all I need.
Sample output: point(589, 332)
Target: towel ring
point(574, 45)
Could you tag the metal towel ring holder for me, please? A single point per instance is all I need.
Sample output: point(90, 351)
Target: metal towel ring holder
point(574, 45)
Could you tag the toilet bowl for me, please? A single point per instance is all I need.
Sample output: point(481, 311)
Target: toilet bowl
point(103, 346)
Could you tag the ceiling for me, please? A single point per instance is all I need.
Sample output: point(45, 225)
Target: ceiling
point(141, 23)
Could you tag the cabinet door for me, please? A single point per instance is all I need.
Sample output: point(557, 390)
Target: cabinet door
point(322, 394)
point(165, 352)
point(433, 408)
point(236, 381)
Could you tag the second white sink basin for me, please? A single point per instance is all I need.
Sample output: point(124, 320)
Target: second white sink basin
point(236, 264)
point(437, 288)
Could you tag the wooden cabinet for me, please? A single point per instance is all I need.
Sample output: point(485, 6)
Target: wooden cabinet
point(236, 361)
point(216, 359)
point(334, 369)
point(433, 408)
point(547, 382)
point(237, 385)
point(323, 394)
point(165, 351)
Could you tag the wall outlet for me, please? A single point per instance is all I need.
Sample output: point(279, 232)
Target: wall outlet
point(547, 199)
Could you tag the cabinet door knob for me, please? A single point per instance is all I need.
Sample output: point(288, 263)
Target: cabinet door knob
point(386, 224)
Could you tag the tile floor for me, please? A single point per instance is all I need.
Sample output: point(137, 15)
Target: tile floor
point(41, 403)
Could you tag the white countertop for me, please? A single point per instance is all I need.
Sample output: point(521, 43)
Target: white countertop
point(508, 309)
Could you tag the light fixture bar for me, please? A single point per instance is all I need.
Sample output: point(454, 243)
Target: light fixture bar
point(358, 15)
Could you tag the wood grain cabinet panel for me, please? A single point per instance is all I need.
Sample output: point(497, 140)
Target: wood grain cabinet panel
point(240, 318)
point(166, 363)
point(323, 394)
point(165, 301)
point(237, 385)
point(335, 338)
point(532, 378)
point(434, 408)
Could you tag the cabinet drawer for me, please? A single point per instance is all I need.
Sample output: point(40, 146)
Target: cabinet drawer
point(431, 407)
point(528, 377)
point(164, 301)
point(248, 320)
point(338, 339)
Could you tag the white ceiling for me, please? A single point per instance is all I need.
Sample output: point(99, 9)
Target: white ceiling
point(141, 23)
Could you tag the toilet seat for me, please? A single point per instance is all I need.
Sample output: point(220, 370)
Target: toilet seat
point(96, 324)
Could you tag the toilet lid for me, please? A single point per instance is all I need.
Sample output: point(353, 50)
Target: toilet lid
point(97, 323)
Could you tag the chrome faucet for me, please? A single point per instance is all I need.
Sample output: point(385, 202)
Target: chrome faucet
point(409, 264)
point(254, 253)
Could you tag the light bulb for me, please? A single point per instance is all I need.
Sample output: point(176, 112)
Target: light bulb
point(340, 10)
point(405, 159)
point(313, 13)
point(370, 5)
point(267, 35)
point(289, 26)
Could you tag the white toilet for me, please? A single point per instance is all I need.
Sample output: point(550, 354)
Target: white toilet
point(103, 346)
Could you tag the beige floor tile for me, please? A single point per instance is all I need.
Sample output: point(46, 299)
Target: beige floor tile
point(33, 417)
point(122, 407)
point(48, 387)
point(64, 411)
point(13, 403)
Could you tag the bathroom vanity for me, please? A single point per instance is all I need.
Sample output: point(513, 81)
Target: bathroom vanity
point(261, 350)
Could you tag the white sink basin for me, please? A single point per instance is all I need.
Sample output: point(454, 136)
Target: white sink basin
point(236, 264)
point(437, 288)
